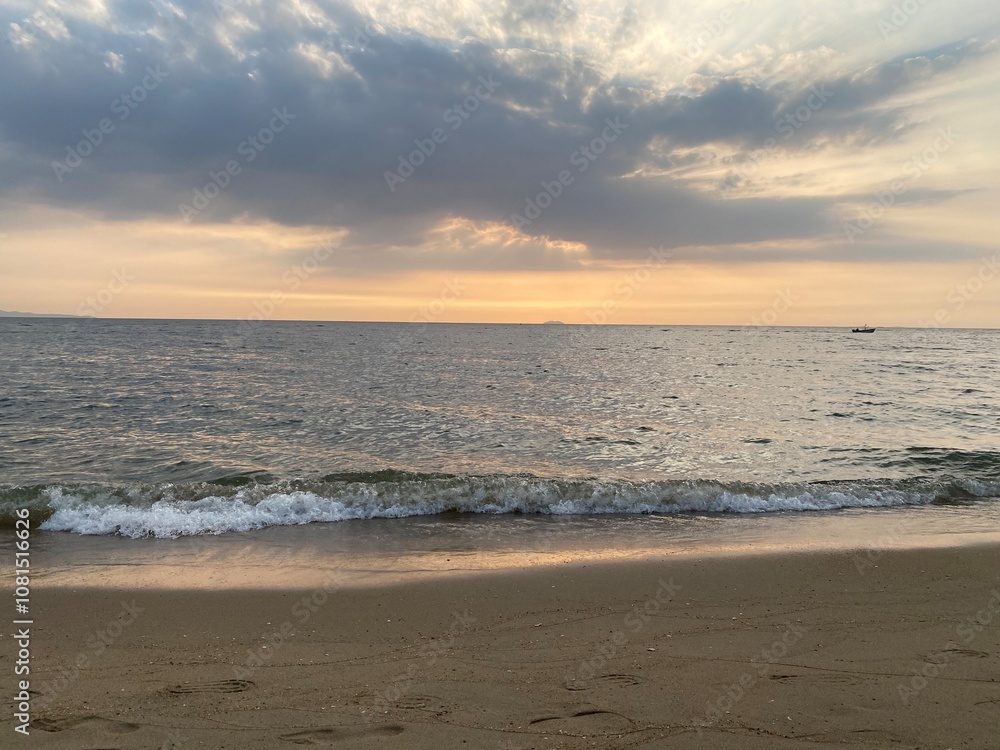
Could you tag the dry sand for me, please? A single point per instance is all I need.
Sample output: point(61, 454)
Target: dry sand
point(782, 651)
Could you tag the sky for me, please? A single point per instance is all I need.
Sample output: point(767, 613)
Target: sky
point(772, 162)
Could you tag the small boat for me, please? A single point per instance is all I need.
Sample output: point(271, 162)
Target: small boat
point(863, 329)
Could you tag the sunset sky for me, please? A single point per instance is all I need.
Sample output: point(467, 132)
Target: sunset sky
point(739, 162)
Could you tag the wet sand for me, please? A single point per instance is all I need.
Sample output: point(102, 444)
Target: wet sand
point(821, 649)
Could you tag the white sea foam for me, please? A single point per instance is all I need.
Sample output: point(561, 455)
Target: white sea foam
point(256, 507)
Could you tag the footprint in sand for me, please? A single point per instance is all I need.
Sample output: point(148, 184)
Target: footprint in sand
point(588, 720)
point(609, 680)
point(222, 686)
point(331, 735)
point(89, 721)
point(950, 653)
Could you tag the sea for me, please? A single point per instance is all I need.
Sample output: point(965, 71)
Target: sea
point(392, 447)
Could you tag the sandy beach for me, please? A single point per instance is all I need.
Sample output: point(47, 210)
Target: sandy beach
point(800, 650)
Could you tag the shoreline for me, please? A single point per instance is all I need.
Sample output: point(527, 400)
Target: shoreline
point(383, 552)
point(744, 651)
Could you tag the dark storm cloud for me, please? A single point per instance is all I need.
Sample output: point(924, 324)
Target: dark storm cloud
point(357, 109)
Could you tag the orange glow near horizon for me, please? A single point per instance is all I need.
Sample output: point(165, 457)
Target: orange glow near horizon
point(235, 272)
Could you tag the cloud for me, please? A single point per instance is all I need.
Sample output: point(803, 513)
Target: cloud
point(364, 92)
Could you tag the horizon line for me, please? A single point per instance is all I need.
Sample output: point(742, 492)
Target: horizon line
point(63, 316)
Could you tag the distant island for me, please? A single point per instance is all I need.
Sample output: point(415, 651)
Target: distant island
point(15, 314)
point(553, 323)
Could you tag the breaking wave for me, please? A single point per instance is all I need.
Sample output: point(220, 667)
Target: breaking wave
point(239, 504)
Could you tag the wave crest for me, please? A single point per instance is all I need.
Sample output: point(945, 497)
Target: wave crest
point(173, 510)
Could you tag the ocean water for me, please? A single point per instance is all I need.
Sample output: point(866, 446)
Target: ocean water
point(169, 429)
